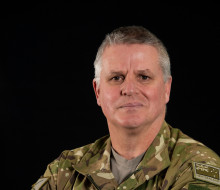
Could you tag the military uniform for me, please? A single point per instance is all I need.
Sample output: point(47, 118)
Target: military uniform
point(173, 161)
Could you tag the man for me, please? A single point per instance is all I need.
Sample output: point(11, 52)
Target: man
point(132, 85)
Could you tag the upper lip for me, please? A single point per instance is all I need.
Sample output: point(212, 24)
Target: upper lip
point(133, 104)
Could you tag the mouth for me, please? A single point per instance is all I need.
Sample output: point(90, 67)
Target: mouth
point(131, 105)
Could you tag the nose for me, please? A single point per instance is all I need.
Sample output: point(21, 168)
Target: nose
point(129, 87)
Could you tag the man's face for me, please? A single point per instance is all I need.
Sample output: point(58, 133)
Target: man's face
point(132, 92)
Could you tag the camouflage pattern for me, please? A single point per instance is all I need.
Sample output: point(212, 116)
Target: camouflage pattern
point(167, 164)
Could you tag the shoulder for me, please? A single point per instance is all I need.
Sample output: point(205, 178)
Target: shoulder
point(187, 148)
point(186, 154)
point(61, 172)
point(69, 158)
point(74, 155)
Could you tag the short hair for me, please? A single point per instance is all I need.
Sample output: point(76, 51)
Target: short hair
point(133, 35)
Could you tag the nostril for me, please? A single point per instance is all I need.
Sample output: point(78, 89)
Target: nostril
point(128, 91)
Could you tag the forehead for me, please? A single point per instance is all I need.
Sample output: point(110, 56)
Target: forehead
point(133, 56)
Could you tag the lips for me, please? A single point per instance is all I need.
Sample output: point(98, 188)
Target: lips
point(131, 105)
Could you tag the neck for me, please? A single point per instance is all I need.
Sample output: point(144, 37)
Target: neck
point(132, 142)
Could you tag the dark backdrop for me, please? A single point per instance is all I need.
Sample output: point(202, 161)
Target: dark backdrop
point(47, 79)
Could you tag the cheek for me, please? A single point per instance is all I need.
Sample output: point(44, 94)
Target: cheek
point(108, 97)
point(155, 94)
point(161, 95)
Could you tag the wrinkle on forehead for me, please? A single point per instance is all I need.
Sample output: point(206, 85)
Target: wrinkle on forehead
point(131, 57)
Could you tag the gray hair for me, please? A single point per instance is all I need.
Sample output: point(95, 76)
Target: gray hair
point(133, 35)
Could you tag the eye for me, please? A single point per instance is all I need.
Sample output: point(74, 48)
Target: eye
point(144, 77)
point(118, 78)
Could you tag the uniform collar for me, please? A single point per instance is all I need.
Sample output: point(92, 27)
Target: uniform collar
point(97, 158)
point(96, 162)
point(156, 157)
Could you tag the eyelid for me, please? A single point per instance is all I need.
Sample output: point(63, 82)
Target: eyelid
point(143, 75)
point(119, 76)
point(113, 78)
point(144, 78)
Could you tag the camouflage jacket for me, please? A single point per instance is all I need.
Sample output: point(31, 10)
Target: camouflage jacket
point(173, 161)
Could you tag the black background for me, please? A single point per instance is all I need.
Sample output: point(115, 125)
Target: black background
point(47, 71)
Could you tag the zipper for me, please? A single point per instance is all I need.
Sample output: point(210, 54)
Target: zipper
point(93, 182)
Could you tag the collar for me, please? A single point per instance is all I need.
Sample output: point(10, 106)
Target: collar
point(97, 158)
point(156, 158)
point(96, 162)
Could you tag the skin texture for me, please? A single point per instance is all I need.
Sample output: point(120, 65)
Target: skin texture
point(133, 96)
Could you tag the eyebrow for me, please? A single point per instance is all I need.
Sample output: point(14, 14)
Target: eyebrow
point(145, 71)
point(113, 72)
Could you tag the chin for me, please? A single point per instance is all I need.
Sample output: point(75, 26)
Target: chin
point(131, 119)
point(130, 125)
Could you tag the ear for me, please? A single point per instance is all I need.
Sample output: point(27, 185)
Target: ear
point(168, 89)
point(97, 91)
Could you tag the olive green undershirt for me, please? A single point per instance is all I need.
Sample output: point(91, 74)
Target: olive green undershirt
point(122, 167)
